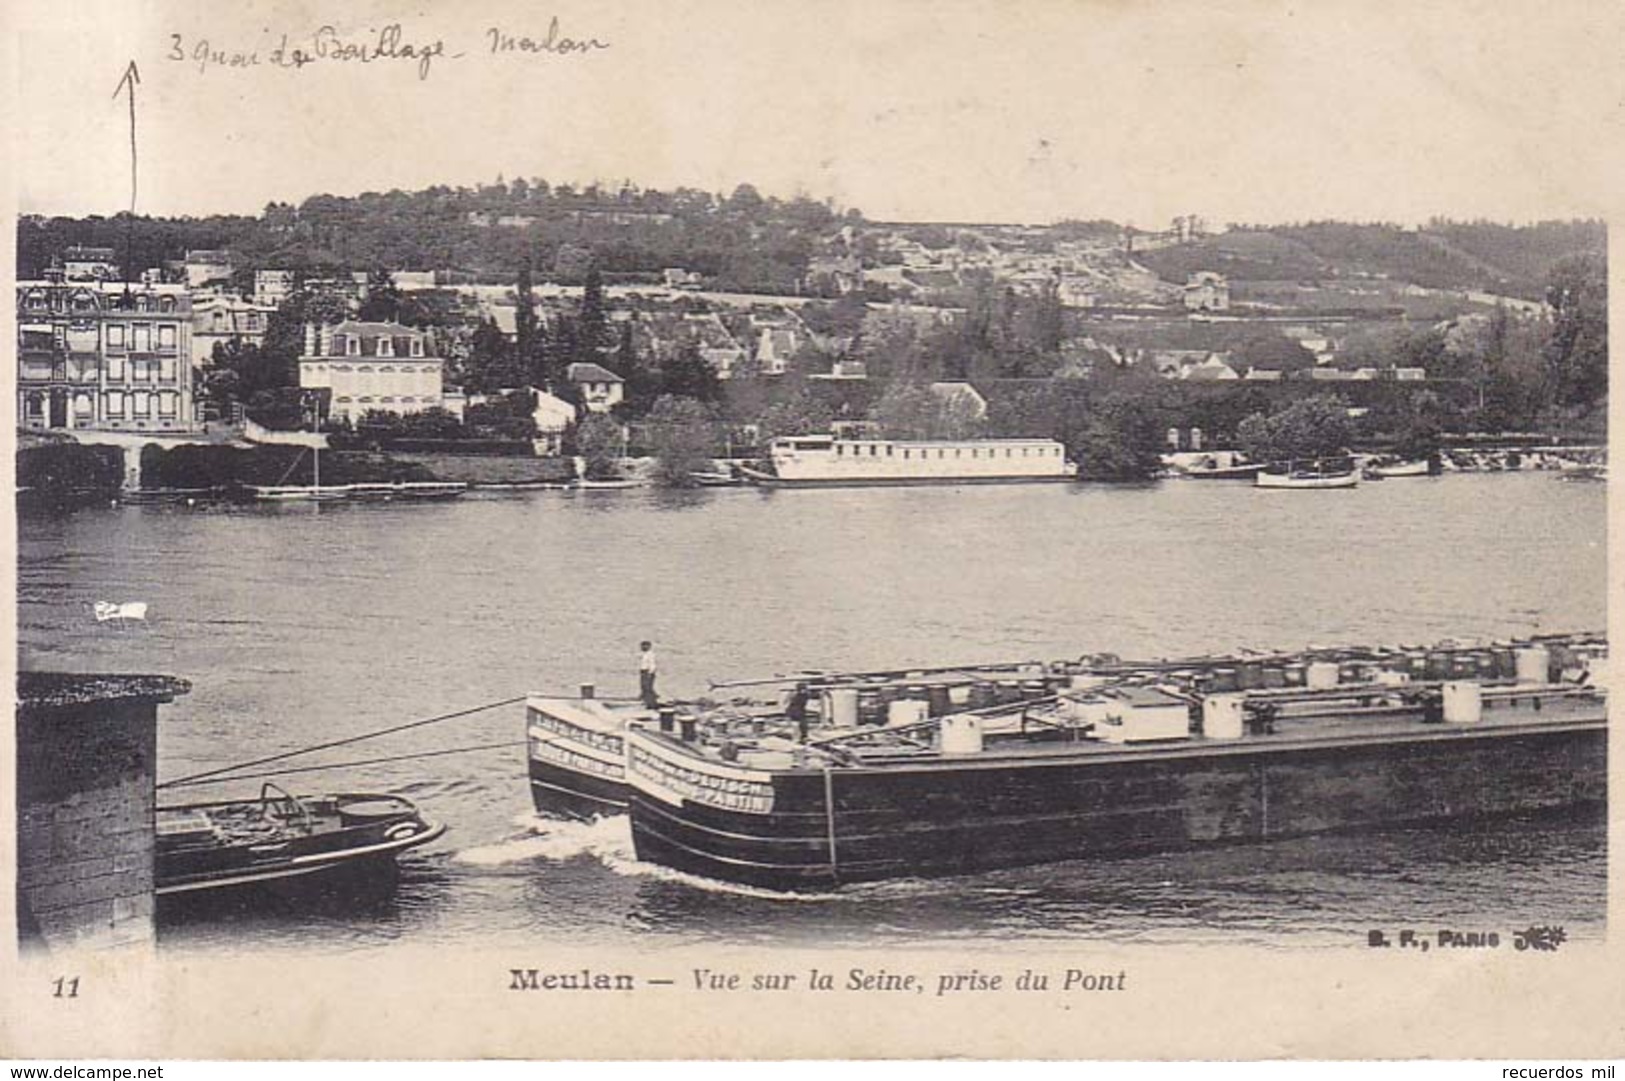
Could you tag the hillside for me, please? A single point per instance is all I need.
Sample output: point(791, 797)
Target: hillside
point(1504, 259)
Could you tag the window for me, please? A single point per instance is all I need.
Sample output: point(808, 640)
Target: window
point(840, 450)
point(115, 368)
point(417, 347)
point(141, 338)
point(219, 320)
point(352, 345)
point(956, 452)
point(166, 403)
point(166, 304)
point(115, 335)
point(82, 406)
point(386, 346)
point(36, 405)
point(166, 337)
point(874, 451)
point(141, 403)
point(115, 403)
point(140, 370)
point(166, 369)
point(905, 454)
point(888, 450)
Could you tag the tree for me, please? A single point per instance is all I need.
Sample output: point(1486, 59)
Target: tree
point(906, 411)
point(1122, 440)
point(593, 327)
point(1576, 353)
point(797, 413)
point(492, 362)
point(527, 339)
point(1422, 426)
point(1271, 351)
point(599, 440)
point(1314, 427)
point(682, 434)
point(690, 375)
point(383, 302)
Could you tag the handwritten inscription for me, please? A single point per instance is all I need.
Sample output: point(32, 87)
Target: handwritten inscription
point(552, 42)
point(392, 44)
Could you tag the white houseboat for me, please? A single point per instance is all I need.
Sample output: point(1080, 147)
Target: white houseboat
point(823, 460)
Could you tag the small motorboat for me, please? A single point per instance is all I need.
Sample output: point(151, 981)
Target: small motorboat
point(281, 837)
point(1596, 471)
point(1309, 475)
point(299, 493)
point(710, 478)
point(1383, 468)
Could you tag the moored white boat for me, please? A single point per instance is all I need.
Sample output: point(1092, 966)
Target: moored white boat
point(1309, 475)
point(1382, 469)
point(287, 493)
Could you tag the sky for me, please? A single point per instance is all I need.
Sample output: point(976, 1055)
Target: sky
point(1026, 110)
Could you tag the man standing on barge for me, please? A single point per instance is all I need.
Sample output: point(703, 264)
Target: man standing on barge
point(647, 669)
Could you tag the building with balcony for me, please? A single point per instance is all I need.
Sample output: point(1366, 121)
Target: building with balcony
point(104, 356)
point(366, 366)
point(218, 318)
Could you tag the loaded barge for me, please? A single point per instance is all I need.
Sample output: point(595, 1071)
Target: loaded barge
point(1118, 762)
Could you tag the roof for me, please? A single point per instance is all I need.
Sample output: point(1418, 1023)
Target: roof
point(591, 373)
point(356, 326)
point(60, 690)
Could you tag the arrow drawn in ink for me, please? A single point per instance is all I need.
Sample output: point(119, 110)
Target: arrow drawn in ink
point(132, 78)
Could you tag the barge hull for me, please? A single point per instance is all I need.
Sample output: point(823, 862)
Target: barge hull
point(945, 818)
point(556, 790)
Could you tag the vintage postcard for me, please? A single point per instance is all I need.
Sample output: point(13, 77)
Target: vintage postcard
point(835, 530)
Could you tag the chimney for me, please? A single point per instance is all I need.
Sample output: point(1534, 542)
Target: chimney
point(327, 340)
point(310, 339)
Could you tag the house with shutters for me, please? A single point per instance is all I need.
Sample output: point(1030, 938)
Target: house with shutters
point(364, 366)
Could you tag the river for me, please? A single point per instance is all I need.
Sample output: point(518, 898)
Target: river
point(303, 623)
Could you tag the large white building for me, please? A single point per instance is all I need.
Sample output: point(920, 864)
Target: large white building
point(367, 366)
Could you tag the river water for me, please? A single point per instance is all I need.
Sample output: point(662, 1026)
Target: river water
point(303, 623)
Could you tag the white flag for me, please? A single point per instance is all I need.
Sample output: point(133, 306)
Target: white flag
point(106, 610)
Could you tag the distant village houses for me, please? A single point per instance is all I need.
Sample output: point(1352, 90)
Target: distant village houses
point(1207, 291)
